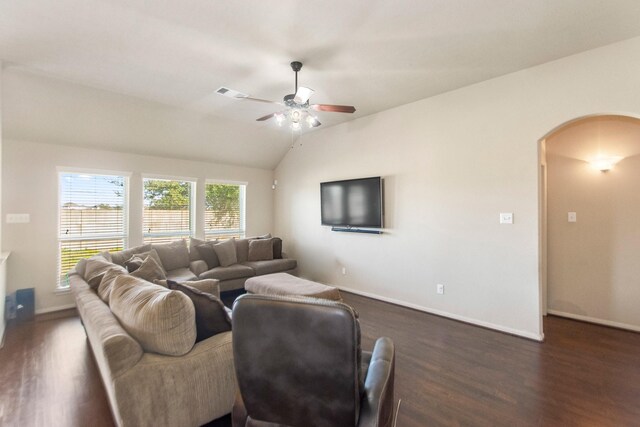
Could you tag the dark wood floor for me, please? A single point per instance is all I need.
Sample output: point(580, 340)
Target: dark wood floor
point(447, 373)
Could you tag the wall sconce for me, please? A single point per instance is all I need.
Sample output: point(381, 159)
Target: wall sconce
point(604, 164)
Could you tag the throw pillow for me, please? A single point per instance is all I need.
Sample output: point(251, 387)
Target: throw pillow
point(211, 316)
point(173, 255)
point(210, 286)
point(149, 270)
point(208, 254)
point(161, 320)
point(226, 252)
point(106, 284)
point(95, 268)
point(260, 250)
point(136, 261)
point(121, 257)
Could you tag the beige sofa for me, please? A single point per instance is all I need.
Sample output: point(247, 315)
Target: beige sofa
point(150, 389)
point(233, 277)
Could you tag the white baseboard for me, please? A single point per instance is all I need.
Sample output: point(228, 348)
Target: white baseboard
point(499, 328)
point(595, 320)
point(57, 308)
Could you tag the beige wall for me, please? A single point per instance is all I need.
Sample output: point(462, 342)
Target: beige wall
point(452, 163)
point(593, 269)
point(30, 186)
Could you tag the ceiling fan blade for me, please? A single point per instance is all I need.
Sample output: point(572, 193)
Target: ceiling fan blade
point(267, 117)
point(302, 95)
point(333, 108)
point(248, 98)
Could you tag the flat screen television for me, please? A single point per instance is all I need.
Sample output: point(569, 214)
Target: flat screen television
point(352, 203)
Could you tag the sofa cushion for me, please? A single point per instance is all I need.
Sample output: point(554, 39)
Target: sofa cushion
point(181, 275)
point(94, 269)
point(208, 254)
point(226, 252)
point(194, 255)
point(173, 255)
point(260, 250)
point(235, 271)
point(136, 261)
point(271, 266)
point(121, 257)
point(106, 284)
point(242, 249)
point(150, 270)
point(211, 316)
point(161, 320)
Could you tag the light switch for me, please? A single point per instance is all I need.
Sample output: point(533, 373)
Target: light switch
point(18, 218)
point(506, 218)
point(571, 217)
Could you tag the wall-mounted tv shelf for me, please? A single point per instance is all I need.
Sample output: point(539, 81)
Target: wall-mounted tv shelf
point(355, 230)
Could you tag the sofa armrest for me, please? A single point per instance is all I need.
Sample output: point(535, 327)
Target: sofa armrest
point(198, 267)
point(189, 390)
point(376, 409)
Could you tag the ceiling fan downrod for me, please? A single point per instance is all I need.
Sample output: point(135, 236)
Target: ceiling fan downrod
point(296, 66)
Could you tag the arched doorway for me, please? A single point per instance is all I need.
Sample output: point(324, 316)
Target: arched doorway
point(589, 220)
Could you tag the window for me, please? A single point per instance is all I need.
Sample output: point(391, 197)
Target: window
point(92, 218)
point(224, 210)
point(168, 210)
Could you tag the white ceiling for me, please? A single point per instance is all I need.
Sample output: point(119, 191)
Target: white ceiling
point(371, 54)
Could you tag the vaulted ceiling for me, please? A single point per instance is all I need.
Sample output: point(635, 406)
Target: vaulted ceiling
point(371, 54)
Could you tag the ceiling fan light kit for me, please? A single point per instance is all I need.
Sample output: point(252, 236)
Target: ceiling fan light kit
point(297, 104)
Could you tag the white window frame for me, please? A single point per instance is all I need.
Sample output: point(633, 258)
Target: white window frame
point(243, 205)
point(63, 285)
point(192, 207)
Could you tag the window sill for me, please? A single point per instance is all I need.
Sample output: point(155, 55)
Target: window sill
point(62, 290)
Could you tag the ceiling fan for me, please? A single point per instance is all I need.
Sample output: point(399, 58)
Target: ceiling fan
point(298, 110)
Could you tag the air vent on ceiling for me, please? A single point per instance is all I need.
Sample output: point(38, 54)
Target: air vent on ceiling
point(230, 93)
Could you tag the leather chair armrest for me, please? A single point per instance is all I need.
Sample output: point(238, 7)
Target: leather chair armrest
point(198, 267)
point(376, 409)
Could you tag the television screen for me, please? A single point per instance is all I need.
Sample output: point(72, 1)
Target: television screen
point(352, 203)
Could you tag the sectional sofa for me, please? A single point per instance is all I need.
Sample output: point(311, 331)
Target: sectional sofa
point(145, 337)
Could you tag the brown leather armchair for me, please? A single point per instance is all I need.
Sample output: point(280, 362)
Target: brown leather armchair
point(299, 363)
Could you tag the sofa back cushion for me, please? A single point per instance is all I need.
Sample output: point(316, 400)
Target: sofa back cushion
point(161, 320)
point(173, 255)
point(94, 269)
point(106, 284)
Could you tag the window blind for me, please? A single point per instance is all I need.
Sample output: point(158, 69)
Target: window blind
point(224, 210)
point(167, 213)
point(92, 217)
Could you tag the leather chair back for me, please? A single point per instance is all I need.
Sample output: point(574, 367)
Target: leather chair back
point(297, 360)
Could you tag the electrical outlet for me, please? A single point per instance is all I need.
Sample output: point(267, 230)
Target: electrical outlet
point(440, 289)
